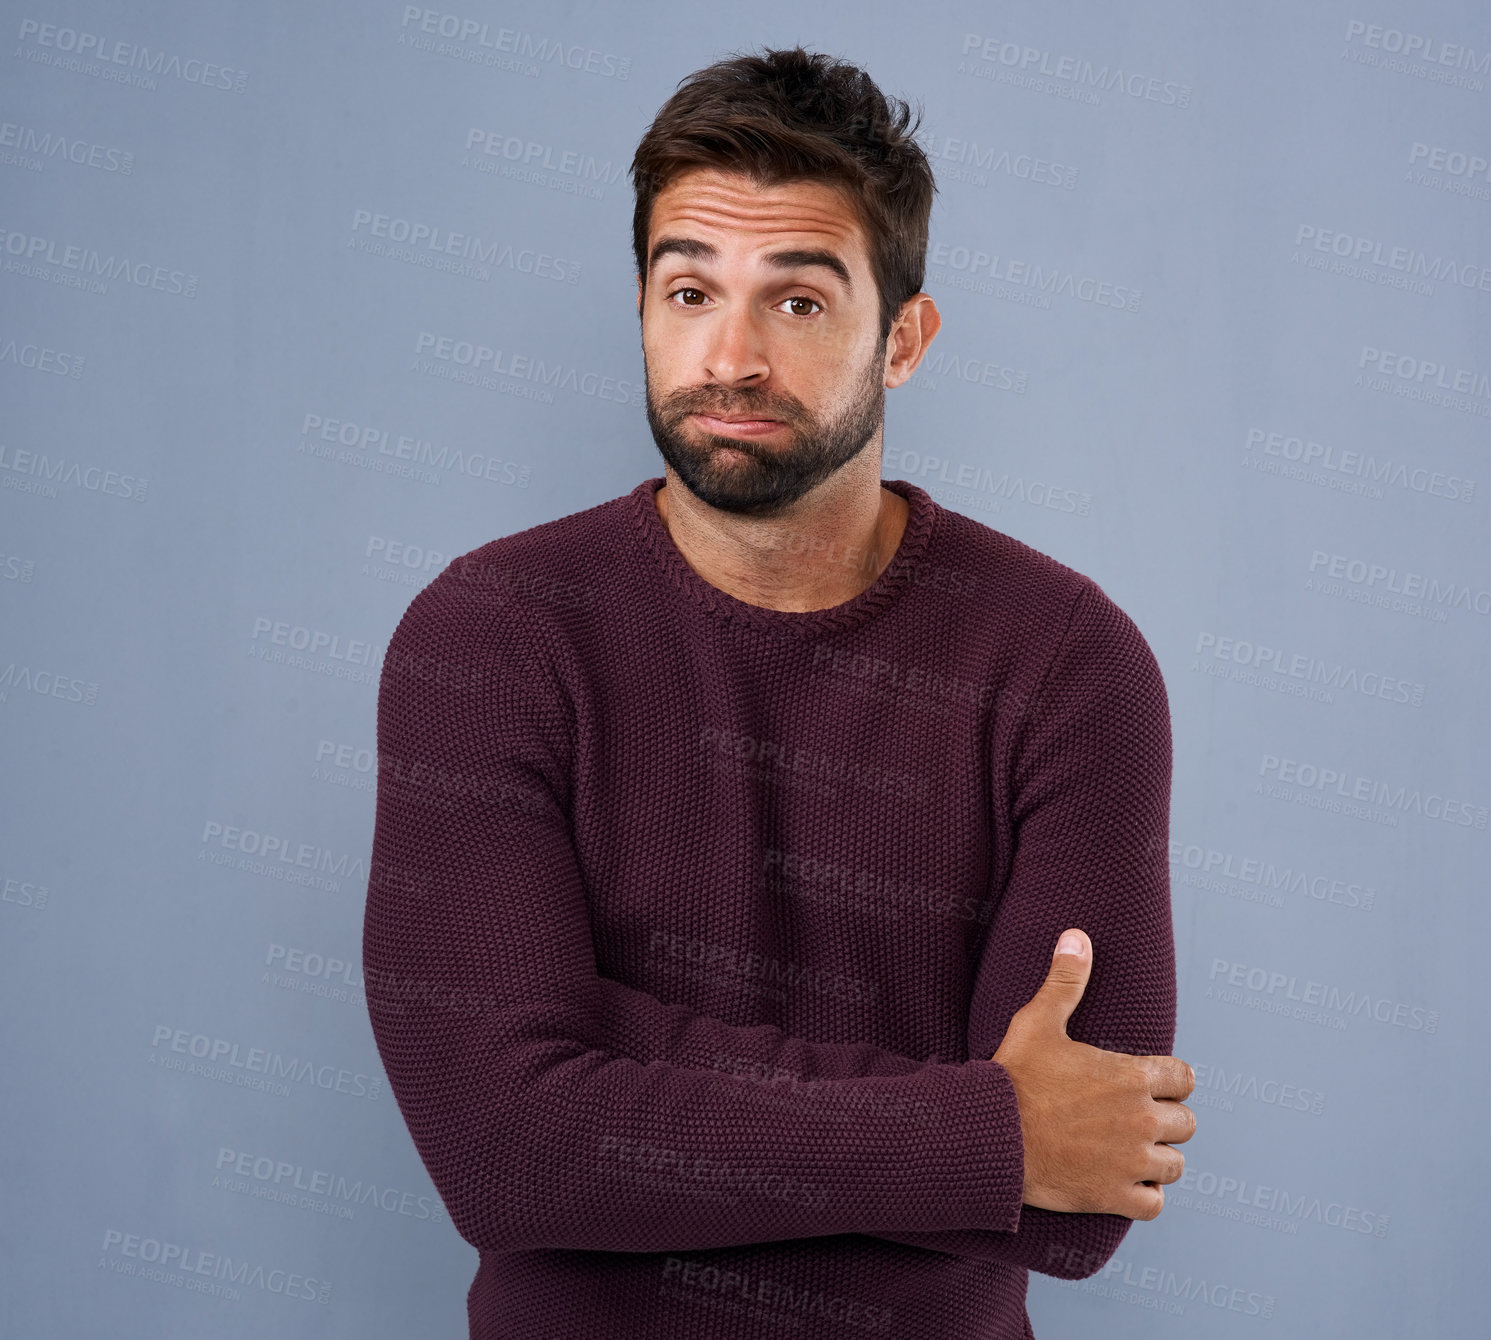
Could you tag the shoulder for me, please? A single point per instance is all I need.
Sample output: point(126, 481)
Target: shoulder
point(493, 609)
point(559, 562)
point(562, 561)
point(1058, 608)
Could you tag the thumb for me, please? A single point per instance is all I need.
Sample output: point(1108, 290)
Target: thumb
point(1067, 979)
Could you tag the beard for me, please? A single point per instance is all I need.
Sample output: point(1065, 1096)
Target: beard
point(771, 476)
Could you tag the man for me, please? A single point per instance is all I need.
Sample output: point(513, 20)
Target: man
point(725, 830)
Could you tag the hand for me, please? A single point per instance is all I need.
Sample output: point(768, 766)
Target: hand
point(1098, 1125)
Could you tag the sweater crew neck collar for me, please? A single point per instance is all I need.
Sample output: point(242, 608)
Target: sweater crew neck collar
point(898, 574)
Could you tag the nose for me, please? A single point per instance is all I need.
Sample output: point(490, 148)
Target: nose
point(736, 352)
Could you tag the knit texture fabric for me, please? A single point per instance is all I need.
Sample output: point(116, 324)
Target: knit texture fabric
point(692, 925)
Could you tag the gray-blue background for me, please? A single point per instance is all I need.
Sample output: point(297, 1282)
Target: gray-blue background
point(1216, 286)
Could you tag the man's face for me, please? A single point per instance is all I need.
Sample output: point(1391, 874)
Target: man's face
point(729, 334)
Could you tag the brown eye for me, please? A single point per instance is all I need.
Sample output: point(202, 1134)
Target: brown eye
point(812, 302)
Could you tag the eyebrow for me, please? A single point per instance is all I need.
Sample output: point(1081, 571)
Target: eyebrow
point(796, 258)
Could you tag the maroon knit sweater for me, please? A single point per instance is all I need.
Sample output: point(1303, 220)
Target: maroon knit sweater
point(692, 925)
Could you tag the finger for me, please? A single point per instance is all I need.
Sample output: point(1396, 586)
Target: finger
point(1169, 1077)
point(1143, 1201)
point(1165, 1165)
point(1066, 978)
point(1177, 1121)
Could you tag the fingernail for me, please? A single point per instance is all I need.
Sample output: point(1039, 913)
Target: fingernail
point(1070, 943)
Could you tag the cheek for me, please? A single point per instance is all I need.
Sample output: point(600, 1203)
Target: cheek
point(836, 369)
point(823, 357)
point(672, 347)
point(664, 358)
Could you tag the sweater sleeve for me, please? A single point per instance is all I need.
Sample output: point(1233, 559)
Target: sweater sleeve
point(511, 1059)
point(1089, 769)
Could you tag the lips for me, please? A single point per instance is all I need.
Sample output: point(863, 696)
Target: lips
point(738, 430)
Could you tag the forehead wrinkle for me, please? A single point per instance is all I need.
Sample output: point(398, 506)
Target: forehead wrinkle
point(785, 213)
point(755, 215)
point(815, 204)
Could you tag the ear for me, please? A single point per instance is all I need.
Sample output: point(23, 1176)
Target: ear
point(915, 328)
point(639, 295)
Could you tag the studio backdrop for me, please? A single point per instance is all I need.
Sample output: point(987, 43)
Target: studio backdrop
point(298, 302)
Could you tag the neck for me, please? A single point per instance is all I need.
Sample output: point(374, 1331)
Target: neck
point(821, 551)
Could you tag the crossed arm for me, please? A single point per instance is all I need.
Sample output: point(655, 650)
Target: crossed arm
point(555, 1107)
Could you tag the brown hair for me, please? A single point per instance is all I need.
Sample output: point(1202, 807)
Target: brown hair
point(791, 115)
